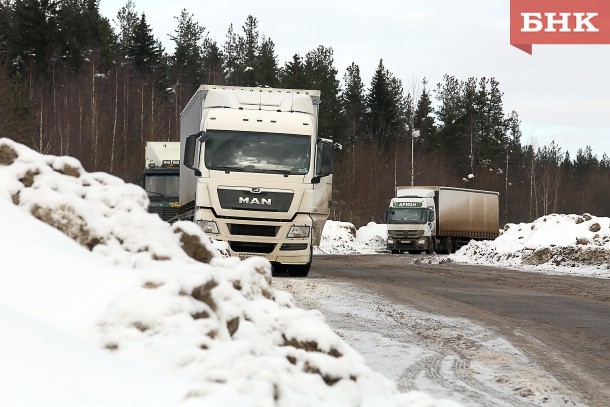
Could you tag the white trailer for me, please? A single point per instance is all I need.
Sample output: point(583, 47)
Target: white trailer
point(430, 218)
point(254, 172)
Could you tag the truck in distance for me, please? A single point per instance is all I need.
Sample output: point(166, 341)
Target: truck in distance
point(254, 172)
point(435, 218)
point(161, 177)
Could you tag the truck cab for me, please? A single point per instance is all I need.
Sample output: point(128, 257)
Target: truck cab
point(254, 173)
point(411, 223)
point(161, 178)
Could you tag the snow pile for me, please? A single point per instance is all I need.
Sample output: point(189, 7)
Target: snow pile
point(554, 242)
point(112, 306)
point(343, 238)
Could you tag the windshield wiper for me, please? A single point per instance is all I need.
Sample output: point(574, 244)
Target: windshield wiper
point(229, 169)
point(158, 193)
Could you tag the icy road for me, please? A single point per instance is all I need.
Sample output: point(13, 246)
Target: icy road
point(478, 335)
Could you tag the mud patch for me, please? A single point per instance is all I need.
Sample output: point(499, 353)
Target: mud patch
point(7, 155)
point(65, 219)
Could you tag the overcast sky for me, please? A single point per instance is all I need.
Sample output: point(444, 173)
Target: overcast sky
point(561, 92)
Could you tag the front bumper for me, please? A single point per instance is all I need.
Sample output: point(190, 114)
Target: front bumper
point(420, 243)
point(266, 238)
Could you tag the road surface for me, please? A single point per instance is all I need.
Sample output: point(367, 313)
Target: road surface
point(533, 339)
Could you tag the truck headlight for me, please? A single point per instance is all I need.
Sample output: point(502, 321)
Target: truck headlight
point(208, 226)
point(390, 241)
point(298, 231)
point(421, 242)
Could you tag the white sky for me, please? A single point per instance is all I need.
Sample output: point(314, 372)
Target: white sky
point(561, 92)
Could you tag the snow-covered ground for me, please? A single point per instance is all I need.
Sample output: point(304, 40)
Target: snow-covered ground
point(555, 244)
point(104, 304)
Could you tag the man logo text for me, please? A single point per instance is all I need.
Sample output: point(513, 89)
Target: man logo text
point(255, 201)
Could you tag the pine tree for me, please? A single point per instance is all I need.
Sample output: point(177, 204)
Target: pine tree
point(187, 61)
point(386, 108)
point(266, 64)
point(145, 52)
point(231, 52)
point(423, 119)
point(213, 61)
point(292, 75)
point(82, 29)
point(353, 102)
point(249, 52)
point(35, 32)
point(128, 20)
point(322, 76)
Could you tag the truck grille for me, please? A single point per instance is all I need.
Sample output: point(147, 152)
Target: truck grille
point(252, 230)
point(405, 234)
point(165, 213)
point(245, 199)
point(293, 246)
point(252, 247)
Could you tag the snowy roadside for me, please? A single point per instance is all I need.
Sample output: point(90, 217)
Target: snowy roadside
point(102, 303)
point(576, 245)
point(453, 358)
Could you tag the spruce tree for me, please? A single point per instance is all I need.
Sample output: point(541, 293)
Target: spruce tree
point(213, 61)
point(292, 75)
point(266, 64)
point(232, 54)
point(353, 102)
point(322, 75)
point(423, 119)
point(386, 108)
point(249, 52)
point(35, 32)
point(187, 60)
point(145, 52)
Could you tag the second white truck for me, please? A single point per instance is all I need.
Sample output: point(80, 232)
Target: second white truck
point(254, 172)
point(161, 177)
point(435, 218)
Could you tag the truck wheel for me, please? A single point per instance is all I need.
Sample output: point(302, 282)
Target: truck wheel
point(298, 270)
point(448, 246)
point(431, 246)
point(395, 251)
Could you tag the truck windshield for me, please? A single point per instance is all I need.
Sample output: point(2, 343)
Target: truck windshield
point(407, 215)
point(162, 186)
point(257, 152)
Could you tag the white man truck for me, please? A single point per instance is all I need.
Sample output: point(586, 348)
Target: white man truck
point(161, 177)
point(434, 218)
point(254, 172)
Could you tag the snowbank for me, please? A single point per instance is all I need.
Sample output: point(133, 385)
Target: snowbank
point(563, 244)
point(112, 306)
point(343, 238)
point(567, 244)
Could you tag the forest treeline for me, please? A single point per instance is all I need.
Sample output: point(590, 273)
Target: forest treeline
point(72, 82)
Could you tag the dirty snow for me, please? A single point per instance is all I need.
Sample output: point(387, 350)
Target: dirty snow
point(576, 245)
point(103, 304)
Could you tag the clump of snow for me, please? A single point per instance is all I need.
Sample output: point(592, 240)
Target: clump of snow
point(124, 290)
point(343, 238)
point(571, 244)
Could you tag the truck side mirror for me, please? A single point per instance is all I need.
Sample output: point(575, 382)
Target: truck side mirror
point(190, 150)
point(430, 214)
point(324, 160)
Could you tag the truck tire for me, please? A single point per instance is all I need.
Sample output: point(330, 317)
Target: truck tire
point(431, 246)
point(301, 270)
point(447, 245)
point(395, 251)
